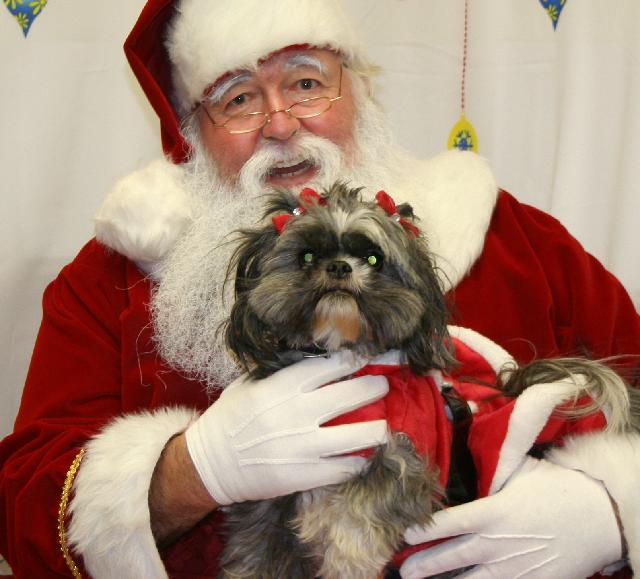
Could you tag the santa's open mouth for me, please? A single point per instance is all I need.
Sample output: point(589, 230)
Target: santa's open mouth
point(290, 172)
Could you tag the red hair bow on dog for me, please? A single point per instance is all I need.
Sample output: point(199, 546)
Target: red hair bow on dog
point(385, 201)
point(308, 197)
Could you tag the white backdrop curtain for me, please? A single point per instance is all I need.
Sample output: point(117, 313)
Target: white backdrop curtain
point(557, 114)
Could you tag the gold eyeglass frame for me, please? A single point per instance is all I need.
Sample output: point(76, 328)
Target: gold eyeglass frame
point(267, 115)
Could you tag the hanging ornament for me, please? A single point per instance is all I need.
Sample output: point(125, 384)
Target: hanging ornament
point(463, 136)
point(25, 12)
point(553, 9)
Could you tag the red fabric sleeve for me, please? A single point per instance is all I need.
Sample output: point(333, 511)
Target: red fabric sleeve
point(94, 359)
point(538, 293)
point(72, 389)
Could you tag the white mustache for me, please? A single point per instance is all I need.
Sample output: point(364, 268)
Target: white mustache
point(325, 155)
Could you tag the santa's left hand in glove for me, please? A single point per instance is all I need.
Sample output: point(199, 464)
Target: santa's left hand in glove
point(547, 521)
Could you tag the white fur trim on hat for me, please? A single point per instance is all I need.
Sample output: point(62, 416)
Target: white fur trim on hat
point(145, 213)
point(613, 459)
point(110, 525)
point(208, 38)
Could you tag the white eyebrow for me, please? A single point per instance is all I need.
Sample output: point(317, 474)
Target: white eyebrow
point(218, 92)
point(298, 60)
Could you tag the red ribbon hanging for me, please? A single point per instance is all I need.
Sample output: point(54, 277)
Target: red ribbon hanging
point(280, 221)
point(308, 197)
point(386, 202)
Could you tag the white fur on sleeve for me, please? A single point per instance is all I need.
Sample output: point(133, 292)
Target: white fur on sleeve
point(615, 460)
point(110, 525)
point(145, 213)
point(496, 356)
point(530, 414)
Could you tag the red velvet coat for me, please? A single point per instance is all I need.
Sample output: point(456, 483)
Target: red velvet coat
point(533, 290)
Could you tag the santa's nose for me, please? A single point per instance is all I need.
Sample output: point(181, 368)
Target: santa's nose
point(339, 269)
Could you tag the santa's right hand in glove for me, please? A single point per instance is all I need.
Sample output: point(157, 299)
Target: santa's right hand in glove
point(263, 438)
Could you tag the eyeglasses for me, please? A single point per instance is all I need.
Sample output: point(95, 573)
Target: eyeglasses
point(249, 122)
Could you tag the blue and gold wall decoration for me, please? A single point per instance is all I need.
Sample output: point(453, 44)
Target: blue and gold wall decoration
point(25, 12)
point(553, 9)
point(463, 136)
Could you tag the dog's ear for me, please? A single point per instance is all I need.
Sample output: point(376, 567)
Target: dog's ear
point(429, 347)
point(246, 336)
point(246, 261)
point(249, 340)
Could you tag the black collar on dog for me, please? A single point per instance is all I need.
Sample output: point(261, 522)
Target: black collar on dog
point(462, 483)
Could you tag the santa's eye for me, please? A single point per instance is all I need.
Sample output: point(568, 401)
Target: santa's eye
point(239, 100)
point(307, 258)
point(308, 84)
point(374, 259)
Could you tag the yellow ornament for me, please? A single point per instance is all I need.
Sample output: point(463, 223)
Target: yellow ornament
point(463, 136)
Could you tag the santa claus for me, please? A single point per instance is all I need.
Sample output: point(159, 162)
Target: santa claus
point(122, 453)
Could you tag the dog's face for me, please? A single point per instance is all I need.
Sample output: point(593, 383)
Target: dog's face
point(340, 273)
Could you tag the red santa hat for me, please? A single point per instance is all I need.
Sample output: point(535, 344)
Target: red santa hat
point(178, 48)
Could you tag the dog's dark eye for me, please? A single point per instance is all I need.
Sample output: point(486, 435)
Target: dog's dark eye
point(307, 257)
point(374, 259)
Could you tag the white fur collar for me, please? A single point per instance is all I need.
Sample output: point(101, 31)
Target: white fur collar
point(145, 213)
point(453, 193)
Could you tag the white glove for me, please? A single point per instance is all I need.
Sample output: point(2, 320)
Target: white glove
point(262, 439)
point(547, 522)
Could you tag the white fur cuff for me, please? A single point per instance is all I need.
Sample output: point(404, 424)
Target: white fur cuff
point(615, 460)
point(496, 356)
point(110, 526)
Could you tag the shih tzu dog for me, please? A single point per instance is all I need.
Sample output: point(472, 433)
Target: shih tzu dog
point(333, 272)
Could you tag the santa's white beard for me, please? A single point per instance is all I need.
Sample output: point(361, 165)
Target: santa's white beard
point(191, 302)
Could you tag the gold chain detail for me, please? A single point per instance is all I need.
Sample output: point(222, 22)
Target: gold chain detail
point(64, 500)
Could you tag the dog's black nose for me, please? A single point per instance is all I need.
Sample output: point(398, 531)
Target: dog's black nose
point(339, 269)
